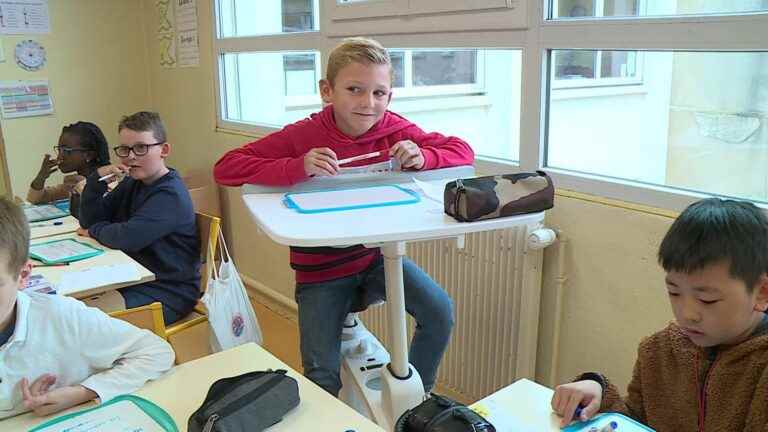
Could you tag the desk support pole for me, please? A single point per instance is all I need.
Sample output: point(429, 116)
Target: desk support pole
point(393, 278)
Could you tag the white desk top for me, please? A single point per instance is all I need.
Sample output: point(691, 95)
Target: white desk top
point(521, 406)
point(48, 228)
point(181, 392)
point(109, 257)
point(421, 221)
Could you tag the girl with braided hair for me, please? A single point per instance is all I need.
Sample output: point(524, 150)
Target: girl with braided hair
point(81, 150)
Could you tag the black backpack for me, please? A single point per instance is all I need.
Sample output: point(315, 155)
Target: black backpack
point(253, 401)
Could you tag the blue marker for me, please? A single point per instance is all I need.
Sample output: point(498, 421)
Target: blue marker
point(610, 427)
point(577, 413)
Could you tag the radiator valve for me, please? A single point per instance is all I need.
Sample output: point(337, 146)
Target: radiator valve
point(541, 238)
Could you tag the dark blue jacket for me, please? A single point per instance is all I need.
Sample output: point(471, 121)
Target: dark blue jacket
point(155, 225)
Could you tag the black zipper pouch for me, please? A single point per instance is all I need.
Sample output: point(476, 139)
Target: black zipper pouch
point(250, 402)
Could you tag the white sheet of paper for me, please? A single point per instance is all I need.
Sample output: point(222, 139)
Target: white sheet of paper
point(350, 197)
point(433, 191)
point(97, 277)
point(123, 416)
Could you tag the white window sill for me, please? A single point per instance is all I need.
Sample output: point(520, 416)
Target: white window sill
point(592, 92)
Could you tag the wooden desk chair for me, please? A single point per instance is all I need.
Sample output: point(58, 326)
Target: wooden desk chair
point(149, 317)
point(190, 336)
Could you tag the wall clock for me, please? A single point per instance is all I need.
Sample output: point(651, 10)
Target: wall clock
point(30, 55)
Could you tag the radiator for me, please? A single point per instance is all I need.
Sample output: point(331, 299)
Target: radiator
point(495, 283)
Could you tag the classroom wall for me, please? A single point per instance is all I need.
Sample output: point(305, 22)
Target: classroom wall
point(96, 67)
point(613, 290)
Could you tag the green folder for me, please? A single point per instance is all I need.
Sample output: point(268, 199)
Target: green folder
point(162, 418)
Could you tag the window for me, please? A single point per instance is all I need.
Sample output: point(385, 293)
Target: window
point(238, 18)
point(699, 126)
point(430, 72)
point(657, 102)
point(285, 92)
point(591, 68)
point(574, 9)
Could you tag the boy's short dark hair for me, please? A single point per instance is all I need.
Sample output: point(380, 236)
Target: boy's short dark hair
point(713, 230)
point(14, 236)
point(144, 121)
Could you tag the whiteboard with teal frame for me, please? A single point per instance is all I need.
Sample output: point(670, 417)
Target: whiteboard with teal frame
point(350, 199)
point(62, 251)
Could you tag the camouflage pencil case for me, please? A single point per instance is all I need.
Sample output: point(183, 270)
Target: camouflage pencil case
point(489, 197)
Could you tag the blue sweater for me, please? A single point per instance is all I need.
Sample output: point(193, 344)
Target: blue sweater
point(155, 225)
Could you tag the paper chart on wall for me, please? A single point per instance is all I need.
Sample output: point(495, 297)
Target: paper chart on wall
point(187, 46)
point(25, 98)
point(24, 17)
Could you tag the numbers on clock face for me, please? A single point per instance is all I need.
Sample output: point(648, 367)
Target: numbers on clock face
point(30, 55)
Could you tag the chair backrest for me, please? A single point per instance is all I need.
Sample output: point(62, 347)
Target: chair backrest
point(148, 317)
point(208, 228)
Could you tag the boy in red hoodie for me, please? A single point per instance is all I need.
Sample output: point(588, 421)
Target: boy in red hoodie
point(332, 282)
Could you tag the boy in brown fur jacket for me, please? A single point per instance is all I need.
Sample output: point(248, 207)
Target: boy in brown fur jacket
point(708, 371)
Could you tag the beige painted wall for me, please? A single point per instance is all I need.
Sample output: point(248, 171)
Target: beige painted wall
point(614, 291)
point(97, 72)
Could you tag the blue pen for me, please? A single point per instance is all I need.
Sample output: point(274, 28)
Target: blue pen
point(57, 223)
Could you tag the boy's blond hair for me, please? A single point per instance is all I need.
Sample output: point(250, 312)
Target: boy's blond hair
point(14, 236)
point(356, 50)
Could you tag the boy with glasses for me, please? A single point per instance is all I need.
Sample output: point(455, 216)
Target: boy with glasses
point(149, 216)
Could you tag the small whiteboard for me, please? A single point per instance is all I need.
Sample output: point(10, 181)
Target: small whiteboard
point(125, 413)
point(37, 213)
point(350, 199)
point(62, 251)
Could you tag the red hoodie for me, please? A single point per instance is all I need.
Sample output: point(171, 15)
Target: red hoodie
point(278, 160)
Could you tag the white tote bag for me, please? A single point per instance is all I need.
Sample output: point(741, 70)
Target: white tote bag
point(230, 314)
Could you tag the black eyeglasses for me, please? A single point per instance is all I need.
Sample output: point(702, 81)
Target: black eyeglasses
point(68, 150)
point(139, 149)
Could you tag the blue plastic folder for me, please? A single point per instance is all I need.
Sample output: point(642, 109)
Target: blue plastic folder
point(625, 424)
point(349, 199)
point(125, 418)
point(62, 251)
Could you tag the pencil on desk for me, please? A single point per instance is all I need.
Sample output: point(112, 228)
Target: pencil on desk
point(50, 265)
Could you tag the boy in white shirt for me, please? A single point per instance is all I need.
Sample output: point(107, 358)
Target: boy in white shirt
point(55, 352)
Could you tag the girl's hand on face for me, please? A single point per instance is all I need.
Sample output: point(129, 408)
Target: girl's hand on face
point(47, 167)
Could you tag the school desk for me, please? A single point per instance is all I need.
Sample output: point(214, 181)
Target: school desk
point(182, 391)
point(67, 224)
point(110, 257)
point(389, 228)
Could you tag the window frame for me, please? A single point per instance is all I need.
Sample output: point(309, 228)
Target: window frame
point(536, 35)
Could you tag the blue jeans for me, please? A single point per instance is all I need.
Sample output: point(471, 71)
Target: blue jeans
point(324, 305)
